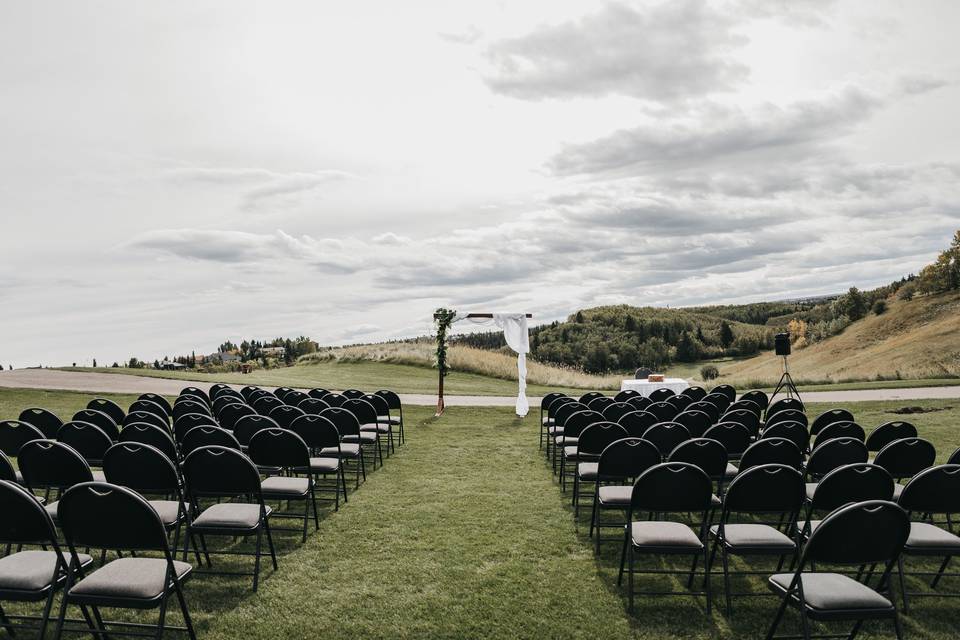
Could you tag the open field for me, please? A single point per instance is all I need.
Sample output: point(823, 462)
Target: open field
point(465, 534)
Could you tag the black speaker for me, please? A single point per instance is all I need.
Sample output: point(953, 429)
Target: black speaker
point(781, 344)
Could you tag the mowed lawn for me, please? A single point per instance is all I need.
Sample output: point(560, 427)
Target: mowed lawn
point(465, 534)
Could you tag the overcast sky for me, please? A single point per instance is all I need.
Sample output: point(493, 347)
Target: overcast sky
point(173, 174)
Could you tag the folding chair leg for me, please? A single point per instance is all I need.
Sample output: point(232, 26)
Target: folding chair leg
point(163, 617)
point(273, 552)
point(706, 582)
point(187, 622)
point(943, 567)
point(776, 620)
point(45, 617)
point(903, 586)
point(256, 560)
point(593, 513)
point(726, 581)
point(897, 627)
point(343, 483)
point(623, 553)
point(630, 579)
point(306, 515)
point(855, 630)
point(804, 620)
point(6, 624)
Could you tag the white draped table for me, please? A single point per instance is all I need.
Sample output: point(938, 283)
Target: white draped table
point(645, 387)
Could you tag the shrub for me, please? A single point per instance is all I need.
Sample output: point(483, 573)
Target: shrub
point(879, 307)
point(907, 291)
point(709, 372)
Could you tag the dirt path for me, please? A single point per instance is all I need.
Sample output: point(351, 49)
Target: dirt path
point(115, 383)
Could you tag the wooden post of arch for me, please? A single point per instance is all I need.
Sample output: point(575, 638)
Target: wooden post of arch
point(440, 404)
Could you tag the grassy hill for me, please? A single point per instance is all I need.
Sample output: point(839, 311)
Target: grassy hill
point(918, 338)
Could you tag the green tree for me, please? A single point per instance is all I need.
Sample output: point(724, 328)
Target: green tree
point(726, 334)
point(686, 348)
point(879, 307)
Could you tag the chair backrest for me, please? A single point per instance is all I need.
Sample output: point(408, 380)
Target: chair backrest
point(625, 395)
point(758, 397)
point(108, 516)
point(99, 418)
point(726, 390)
point(188, 421)
point(933, 490)
point(554, 407)
point(248, 391)
point(149, 406)
point(666, 436)
point(695, 393)
point(195, 392)
point(231, 413)
point(24, 520)
point(697, 422)
point(225, 399)
point(784, 403)
point(346, 423)
point(7, 472)
point(16, 433)
point(353, 394)
point(281, 392)
point(705, 453)
point(672, 487)
point(247, 426)
point(627, 458)
point(772, 451)
point(828, 417)
point(792, 431)
point(217, 389)
point(87, 439)
point(284, 414)
point(256, 394)
point(637, 422)
point(833, 454)
point(765, 488)
point(907, 457)
point(158, 400)
point(746, 405)
point(47, 464)
point(954, 457)
point(393, 400)
point(616, 410)
point(590, 395)
point(720, 400)
point(851, 483)
point(265, 404)
point(663, 410)
point(142, 468)
point(639, 402)
point(734, 437)
point(747, 418)
point(361, 409)
point(317, 431)
point(787, 415)
point(679, 402)
point(708, 408)
point(143, 433)
point(839, 430)
point(595, 438)
point(840, 539)
point(189, 406)
point(295, 397)
point(601, 403)
point(888, 432)
point(378, 403)
point(220, 471)
point(659, 395)
point(200, 437)
point(335, 399)
point(108, 407)
point(580, 421)
point(279, 448)
point(46, 421)
point(312, 406)
point(318, 393)
point(148, 417)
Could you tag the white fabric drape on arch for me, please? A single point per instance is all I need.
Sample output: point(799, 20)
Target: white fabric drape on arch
point(515, 332)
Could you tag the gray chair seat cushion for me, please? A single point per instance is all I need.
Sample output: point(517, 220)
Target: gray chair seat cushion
point(324, 464)
point(813, 525)
point(389, 419)
point(759, 537)
point(616, 495)
point(548, 421)
point(98, 475)
point(378, 426)
point(365, 437)
point(230, 515)
point(133, 578)
point(555, 431)
point(897, 490)
point(168, 510)
point(19, 477)
point(674, 535)
point(52, 509)
point(731, 470)
point(571, 453)
point(347, 450)
point(32, 570)
point(284, 486)
point(565, 441)
point(587, 470)
point(715, 500)
point(931, 538)
point(832, 592)
point(811, 488)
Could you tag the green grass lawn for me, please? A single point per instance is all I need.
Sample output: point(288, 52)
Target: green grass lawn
point(465, 534)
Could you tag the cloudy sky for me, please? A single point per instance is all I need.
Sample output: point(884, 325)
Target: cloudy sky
point(177, 173)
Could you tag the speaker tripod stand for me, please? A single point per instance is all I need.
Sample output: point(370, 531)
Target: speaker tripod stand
point(786, 383)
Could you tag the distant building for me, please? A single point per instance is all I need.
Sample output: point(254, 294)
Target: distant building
point(223, 356)
point(171, 366)
point(274, 352)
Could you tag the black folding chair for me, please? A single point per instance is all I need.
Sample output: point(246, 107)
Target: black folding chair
point(758, 397)
point(108, 407)
point(728, 391)
point(285, 451)
point(620, 462)
point(188, 421)
point(148, 417)
point(795, 432)
point(840, 540)
point(849, 483)
point(51, 467)
point(30, 575)
point(349, 429)
point(829, 417)
point(637, 422)
point(207, 436)
point(659, 395)
point(906, 458)
point(247, 427)
point(771, 451)
point(888, 432)
point(783, 404)
point(158, 400)
point(327, 454)
point(284, 414)
point(667, 488)
point(154, 436)
point(221, 472)
point(88, 440)
point(835, 430)
point(312, 406)
point(694, 392)
point(16, 433)
point(99, 418)
point(46, 421)
point(593, 440)
point(765, 491)
point(665, 436)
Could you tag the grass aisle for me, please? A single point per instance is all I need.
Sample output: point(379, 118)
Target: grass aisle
point(463, 534)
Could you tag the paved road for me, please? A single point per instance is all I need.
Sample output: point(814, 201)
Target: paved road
point(118, 383)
